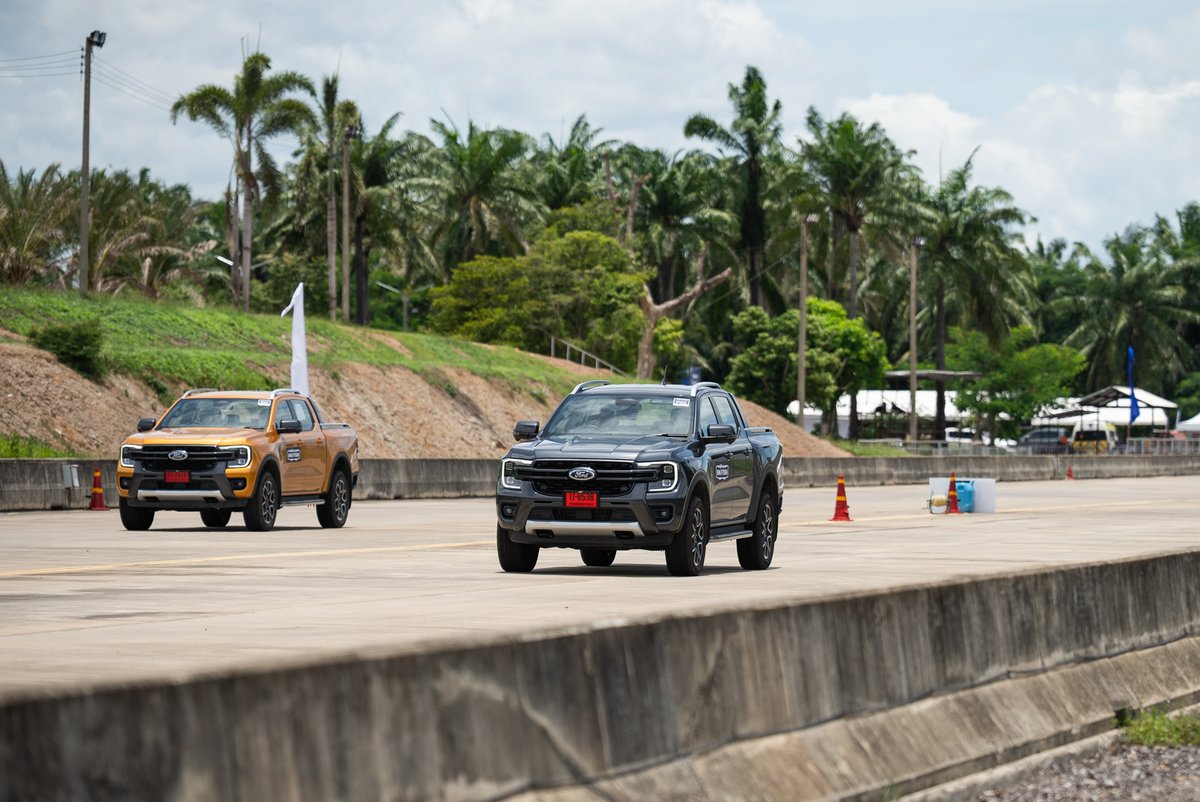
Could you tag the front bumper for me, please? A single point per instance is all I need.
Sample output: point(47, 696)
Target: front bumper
point(635, 520)
point(217, 489)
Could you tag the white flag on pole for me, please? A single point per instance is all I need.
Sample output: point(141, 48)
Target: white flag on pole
point(299, 345)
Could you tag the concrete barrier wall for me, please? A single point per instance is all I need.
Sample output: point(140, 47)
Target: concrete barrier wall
point(483, 721)
point(35, 484)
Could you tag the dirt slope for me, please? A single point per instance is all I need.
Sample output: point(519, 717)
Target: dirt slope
point(395, 412)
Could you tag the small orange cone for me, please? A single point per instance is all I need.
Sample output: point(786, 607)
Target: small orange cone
point(952, 498)
point(1070, 473)
point(97, 502)
point(841, 510)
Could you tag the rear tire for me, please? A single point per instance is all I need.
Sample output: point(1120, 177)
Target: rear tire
point(598, 558)
point(215, 518)
point(261, 512)
point(135, 519)
point(519, 558)
point(685, 555)
point(756, 552)
point(336, 509)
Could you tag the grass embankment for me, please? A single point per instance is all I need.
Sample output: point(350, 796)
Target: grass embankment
point(1156, 728)
point(169, 344)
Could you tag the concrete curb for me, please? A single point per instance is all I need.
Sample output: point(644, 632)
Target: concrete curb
point(961, 675)
point(36, 484)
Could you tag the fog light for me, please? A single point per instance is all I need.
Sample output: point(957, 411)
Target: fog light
point(238, 484)
point(662, 514)
point(508, 510)
point(124, 482)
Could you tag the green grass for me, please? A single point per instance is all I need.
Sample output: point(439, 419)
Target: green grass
point(1156, 728)
point(866, 449)
point(15, 447)
point(169, 344)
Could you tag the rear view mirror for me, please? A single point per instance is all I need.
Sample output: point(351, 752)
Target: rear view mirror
point(145, 424)
point(720, 433)
point(289, 426)
point(526, 430)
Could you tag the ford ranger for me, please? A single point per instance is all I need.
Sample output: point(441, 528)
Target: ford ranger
point(637, 466)
point(217, 452)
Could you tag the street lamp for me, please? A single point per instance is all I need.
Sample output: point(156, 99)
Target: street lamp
point(95, 39)
point(801, 367)
point(912, 340)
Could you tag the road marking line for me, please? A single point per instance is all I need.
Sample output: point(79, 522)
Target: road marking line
point(81, 569)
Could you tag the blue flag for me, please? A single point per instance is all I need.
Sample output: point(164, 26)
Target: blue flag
point(1133, 404)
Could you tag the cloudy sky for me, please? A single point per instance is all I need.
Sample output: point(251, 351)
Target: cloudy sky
point(1085, 110)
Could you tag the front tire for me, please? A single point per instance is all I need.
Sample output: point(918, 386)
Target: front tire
point(215, 518)
point(135, 519)
point(336, 509)
point(685, 555)
point(756, 552)
point(263, 508)
point(519, 558)
point(598, 558)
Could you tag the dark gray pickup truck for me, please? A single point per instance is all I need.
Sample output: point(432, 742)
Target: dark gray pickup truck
point(640, 466)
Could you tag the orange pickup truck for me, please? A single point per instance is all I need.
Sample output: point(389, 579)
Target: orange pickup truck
point(215, 452)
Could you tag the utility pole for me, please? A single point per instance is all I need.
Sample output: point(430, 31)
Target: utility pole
point(348, 133)
point(95, 39)
point(801, 364)
point(912, 341)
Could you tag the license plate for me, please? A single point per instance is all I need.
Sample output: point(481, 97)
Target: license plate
point(177, 476)
point(581, 499)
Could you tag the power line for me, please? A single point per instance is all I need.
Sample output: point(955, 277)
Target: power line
point(38, 58)
point(116, 81)
point(118, 88)
point(41, 65)
point(150, 90)
point(36, 74)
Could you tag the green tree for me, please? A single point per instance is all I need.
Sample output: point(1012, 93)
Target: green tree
point(1137, 299)
point(750, 142)
point(259, 108)
point(842, 356)
point(973, 261)
point(34, 211)
point(568, 173)
point(1020, 378)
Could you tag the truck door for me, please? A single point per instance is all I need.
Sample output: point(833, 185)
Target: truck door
point(739, 489)
point(304, 457)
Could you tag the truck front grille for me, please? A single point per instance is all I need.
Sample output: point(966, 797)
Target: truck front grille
point(201, 459)
point(613, 478)
point(573, 514)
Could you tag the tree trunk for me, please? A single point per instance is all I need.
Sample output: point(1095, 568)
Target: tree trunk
point(362, 313)
point(247, 228)
point(331, 242)
point(231, 240)
point(939, 421)
point(655, 312)
point(752, 277)
point(852, 433)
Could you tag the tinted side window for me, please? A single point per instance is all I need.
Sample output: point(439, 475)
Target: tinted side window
point(724, 411)
point(301, 413)
point(707, 415)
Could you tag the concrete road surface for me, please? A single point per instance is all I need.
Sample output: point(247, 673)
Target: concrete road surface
point(83, 602)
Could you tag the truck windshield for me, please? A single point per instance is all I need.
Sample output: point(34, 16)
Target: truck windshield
point(622, 416)
point(218, 413)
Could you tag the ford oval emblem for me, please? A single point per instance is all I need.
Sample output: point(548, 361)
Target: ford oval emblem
point(178, 455)
point(582, 474)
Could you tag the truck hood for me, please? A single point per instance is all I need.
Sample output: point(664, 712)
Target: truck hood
point(206, 436)
point(602, 447)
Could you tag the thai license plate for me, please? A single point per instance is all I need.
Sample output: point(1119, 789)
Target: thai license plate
point(581, 498)
point(177, 476)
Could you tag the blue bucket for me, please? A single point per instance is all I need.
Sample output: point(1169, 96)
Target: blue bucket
point(966, 494)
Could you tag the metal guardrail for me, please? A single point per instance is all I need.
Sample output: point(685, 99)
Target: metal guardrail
point(562, 349)
point(1163, 446)
point(1136, 446)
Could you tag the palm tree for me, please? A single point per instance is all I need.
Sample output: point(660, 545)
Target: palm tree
point(486, 199)
point(749, 141)
point(1136, 299)
point(863, 180)
point(258, 108)
point(335, 117)
point(34, 211)
point(973, 260)
point(568, 173)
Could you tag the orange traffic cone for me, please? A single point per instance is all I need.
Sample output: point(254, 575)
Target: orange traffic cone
point(1070, 473)
point(952, 498)
point(841, 510)
point(97, 502)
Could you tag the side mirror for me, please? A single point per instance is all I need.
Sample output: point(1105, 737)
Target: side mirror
point(289, 426)
point(146, 424)
point(526, 430)
point(720, 433)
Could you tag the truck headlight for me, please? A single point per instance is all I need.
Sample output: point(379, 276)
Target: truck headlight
point(129, 454)
point(666, 478)
point(241, 457)
point(508, 473)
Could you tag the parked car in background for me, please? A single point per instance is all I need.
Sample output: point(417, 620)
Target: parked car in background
point(1094, 438)
point(1046, 440)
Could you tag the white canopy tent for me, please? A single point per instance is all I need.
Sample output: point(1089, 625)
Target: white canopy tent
point(1190, 425)
point(1111, 406)
point(871, 402)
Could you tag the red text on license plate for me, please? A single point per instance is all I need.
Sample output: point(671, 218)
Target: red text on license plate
point(177, 476)
point(581, 499)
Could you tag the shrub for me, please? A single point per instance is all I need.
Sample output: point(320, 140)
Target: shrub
point(77, 345)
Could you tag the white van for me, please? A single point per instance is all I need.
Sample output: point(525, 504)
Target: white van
point(1093, 437)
